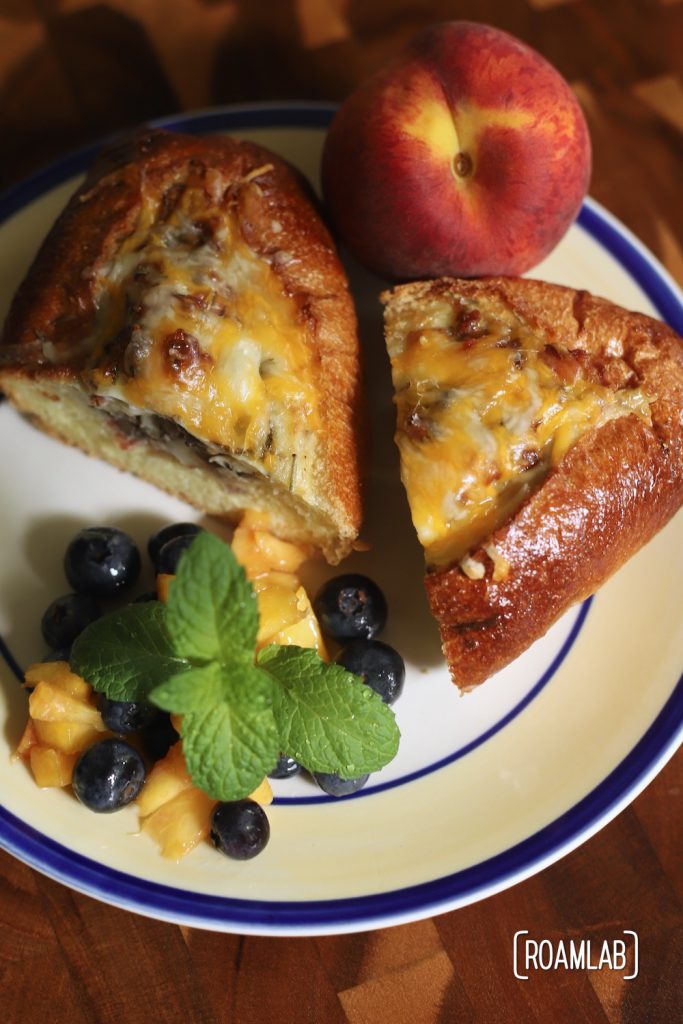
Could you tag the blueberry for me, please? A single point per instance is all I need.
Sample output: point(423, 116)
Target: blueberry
point(58, 654)
point(169, 556)
point(108, 775)
point(167, 533)
point(158, 737)
point(351, 606)
point(66, 618)
point(378, 665)
point(127, 716)
point(285, 767)
point(240, 829)
point(101, 561)
point(334, 785)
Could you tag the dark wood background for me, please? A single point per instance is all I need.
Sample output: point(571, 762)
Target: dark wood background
point(73, 70)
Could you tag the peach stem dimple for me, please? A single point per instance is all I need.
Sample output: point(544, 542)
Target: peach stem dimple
point(462, 164)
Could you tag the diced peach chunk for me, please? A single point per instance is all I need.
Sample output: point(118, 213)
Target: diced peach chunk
point(51, 767)
point(286, 580)
point(69, 737)
point(280, 554)
point(167, 779)
point(63, 721)
point(181, 823)
point(285, 613)
point(263, 794)
point(303, 633)
point(50, 703)
point(28, 739)
point(278, 608)
point(60, 675)
point(259, 551)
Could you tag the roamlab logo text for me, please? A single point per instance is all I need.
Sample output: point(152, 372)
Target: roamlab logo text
point(536, 955)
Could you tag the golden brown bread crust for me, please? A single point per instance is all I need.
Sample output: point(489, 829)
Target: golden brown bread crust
point(612, 491)
point(55, 306)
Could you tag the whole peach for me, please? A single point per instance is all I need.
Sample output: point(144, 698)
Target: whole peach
point(468, 155)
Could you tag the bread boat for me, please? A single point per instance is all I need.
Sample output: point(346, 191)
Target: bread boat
point(188, 320)
point(541, 439)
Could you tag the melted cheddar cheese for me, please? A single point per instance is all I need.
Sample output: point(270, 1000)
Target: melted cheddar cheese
point(485, 409)
point(211, 340)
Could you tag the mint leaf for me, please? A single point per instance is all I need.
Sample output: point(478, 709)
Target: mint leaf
point(127, 653)
point(327, 718)
point(204, 686)
point(211, 612)
point(248, 685)
point(229, 736)
point(195, 688)
point(229, 748)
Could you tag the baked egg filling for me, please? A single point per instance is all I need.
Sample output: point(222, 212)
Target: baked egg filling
point(203, 333)
point(485, 409)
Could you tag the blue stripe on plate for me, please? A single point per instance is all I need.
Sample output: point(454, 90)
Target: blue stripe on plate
point(220, 119)
point(478, 740)
point(12, 662)
point(379, 909)
point(434, 766)
point(654, 280)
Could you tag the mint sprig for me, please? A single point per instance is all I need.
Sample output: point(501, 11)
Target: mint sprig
point(195, 656)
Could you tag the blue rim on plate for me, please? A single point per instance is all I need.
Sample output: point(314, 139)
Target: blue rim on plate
point(428, 769)
point(514, 864)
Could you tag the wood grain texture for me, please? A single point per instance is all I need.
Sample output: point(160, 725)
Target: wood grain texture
point(66, 957)
point(72, 70)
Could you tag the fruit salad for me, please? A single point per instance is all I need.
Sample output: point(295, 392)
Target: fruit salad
point(116, 752)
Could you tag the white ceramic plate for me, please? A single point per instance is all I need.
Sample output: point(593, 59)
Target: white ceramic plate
point(486, 789)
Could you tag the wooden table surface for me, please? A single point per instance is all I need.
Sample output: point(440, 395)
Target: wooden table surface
point(72, 70)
